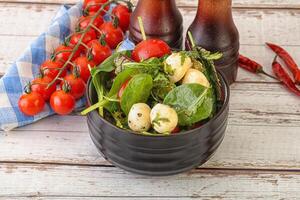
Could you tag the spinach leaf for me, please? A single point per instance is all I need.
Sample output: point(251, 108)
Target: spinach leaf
point(120, 79)
point(137, 91)
point(192, 102)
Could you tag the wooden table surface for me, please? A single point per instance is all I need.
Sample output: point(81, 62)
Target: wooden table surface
point(258, 159)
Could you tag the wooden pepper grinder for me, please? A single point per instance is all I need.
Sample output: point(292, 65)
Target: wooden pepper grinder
point(213, 29)
point(161, 19)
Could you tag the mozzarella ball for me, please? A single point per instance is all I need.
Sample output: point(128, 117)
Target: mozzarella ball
point(195, 76)
point(164, 119)
point(139, 117)
point(176, 68)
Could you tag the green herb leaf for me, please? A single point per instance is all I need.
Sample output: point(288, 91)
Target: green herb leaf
point(137, 91)
point(192, 102)
point(161, 86)
point(108, 65)
point(120, 79)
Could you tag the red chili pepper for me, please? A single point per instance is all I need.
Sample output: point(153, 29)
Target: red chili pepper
point(252, 66)
point(284, 77)
point(288, 60)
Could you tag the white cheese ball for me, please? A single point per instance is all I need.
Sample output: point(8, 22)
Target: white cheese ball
point(164, 119)
point(195, 76)
point(139, 117)
point(177, 68)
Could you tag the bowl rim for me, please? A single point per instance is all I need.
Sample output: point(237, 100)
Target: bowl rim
point(224, 83)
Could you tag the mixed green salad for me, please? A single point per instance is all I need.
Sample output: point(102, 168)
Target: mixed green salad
point(158, 96)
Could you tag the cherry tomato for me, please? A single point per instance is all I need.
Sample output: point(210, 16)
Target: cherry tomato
point(90, 35)
point(62, 102)
point(40, 84)
point(62, 54)
point(82, 63)
point(85, 20)
point(176, 130)
point(98, 51)
point(92, 6)
point(31, 104)
point(123, 13)
point(77, 85)
point(113, 35)
point(122, 88)
point(51, 69)
point(150, 48)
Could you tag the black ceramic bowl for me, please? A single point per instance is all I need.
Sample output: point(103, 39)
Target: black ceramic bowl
point(157, 155)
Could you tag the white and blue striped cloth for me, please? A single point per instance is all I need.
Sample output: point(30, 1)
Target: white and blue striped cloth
point(26, 67)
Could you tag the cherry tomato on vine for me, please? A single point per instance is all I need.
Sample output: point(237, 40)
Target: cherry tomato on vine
point(62, 54)
point(52, 68)
point(77, 85)
point(113, 34)
point(31, 103)
point(122, 88)
point(82, 64)
point(92, 6)
point(98, 52)
point(85, 20)
point(90, 35)
point(123, 14)
point(150, 48)
point(40, 85)
point(62, 102)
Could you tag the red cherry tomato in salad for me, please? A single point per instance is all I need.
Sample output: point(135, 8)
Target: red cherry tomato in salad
point(40, 85)
point(62, 102)
point(31, 104)
point(90, 35)
point(176, 130)
point(122, 88)
point(150, 48)
point(82, 64)
point(123, 14)
point(98, 51)
point(113, 35)
point(85, 20)
point(52, 68)
point(62, 54)
point(77, 85)
point(92, 6)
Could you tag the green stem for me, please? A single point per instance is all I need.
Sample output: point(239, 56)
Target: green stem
point(96, 28)
point(94, 107)
point(141, 25)
point(191, 38)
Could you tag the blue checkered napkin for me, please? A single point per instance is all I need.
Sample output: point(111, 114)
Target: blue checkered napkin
point(27, 65)
point(26, 68)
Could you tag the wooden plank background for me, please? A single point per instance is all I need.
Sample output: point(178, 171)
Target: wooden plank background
point(260, 155)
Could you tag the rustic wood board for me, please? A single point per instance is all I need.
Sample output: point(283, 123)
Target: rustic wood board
point(258, 159)
point(87, 181)
point(192, 3)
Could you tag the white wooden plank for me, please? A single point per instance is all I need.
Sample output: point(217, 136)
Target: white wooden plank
point(246, 147)
point(95, 198)
point(53, 180)
point(236, 3)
